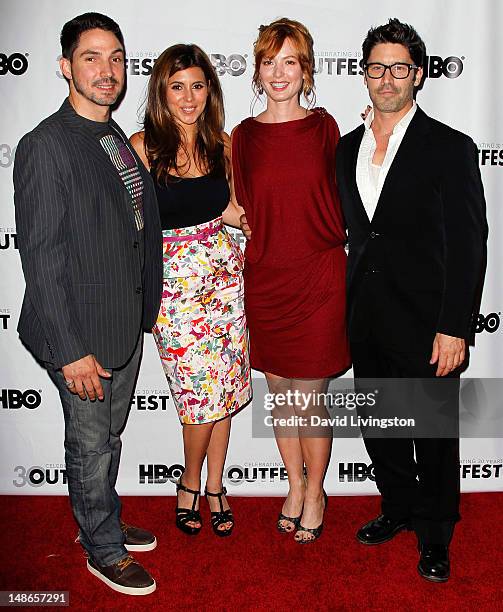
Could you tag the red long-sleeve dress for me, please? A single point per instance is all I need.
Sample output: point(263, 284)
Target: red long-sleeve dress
point(284, 177)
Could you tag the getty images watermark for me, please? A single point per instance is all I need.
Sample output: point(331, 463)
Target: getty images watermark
point(382, 408)
point(312, 401)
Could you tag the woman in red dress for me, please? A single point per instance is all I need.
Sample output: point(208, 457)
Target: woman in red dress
point(284, 178)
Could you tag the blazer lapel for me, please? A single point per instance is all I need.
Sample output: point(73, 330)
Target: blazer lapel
point(89, 142)
point(353, 186)
point(407, 157)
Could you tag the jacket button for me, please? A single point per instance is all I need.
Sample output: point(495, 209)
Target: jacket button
point(139, 289)
point(136, 244)
point(373, 234)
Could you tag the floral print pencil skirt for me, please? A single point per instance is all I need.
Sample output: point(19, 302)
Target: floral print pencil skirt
point(201, 332)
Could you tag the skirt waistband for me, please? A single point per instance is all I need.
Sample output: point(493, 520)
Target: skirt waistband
point(194, 232)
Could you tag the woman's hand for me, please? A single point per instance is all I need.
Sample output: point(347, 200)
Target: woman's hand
point(245, 228)
point(366, 112)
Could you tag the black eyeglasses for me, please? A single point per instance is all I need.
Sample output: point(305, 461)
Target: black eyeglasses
point(375, 70)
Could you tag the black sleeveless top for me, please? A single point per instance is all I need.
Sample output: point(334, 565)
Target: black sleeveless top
point(185, 202)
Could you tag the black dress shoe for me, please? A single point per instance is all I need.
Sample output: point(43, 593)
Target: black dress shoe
point(434, 563)
point(381, 529)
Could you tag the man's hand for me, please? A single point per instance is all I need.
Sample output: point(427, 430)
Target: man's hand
point(82, 376)
point(449, 352)
point(245, 228)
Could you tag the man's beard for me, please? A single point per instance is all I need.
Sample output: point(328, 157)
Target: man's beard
point(95, 97)
point(390, 105)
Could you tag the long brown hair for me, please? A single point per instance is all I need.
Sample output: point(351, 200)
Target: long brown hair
point(163, 137)
point(270, 40)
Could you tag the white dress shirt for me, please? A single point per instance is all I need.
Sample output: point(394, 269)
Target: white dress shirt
point(370, 177)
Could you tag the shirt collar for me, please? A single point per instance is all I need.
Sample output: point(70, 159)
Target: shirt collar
point(402, 125)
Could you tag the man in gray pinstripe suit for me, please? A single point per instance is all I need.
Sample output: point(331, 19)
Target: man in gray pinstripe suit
point(91, 247)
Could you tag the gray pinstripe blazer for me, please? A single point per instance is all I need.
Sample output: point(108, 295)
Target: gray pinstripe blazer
point(85, 288)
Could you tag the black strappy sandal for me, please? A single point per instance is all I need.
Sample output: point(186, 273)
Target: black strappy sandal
point(186, 515)
point(316, 531)
point(222, 516)
point(291, 519)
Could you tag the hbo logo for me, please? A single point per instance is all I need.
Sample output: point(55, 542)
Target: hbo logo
point(15, 398)
point(451, 67)
point(156, 473)
point(235, 64)
point(15, 64)
point(356, 472)
point(490, 323)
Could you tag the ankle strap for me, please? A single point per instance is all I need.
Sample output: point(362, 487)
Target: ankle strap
point(181, 487)
point(222, 492)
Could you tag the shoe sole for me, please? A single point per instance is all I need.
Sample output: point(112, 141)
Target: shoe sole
point(141, 547)
point(382, 541)
point(431, 578)
point(119, 588)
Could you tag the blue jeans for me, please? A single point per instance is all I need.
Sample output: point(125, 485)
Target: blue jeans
point(92, 455)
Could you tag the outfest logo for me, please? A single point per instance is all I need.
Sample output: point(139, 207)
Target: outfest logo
point(141, 63)
point(37, 476)
point(8, 238)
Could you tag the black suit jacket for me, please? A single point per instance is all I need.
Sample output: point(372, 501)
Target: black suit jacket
point(86, 290)
point(424, 249)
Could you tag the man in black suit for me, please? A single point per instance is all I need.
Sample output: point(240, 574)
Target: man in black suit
point(414, 206)
point(91, 248)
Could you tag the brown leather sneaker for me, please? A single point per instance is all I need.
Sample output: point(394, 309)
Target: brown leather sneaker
point(126, 576)
point(138, 540)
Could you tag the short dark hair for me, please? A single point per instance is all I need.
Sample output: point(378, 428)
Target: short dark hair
point(72, 30)
point(399, 33)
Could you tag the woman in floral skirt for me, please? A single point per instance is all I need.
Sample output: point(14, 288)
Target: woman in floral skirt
point(201, 330)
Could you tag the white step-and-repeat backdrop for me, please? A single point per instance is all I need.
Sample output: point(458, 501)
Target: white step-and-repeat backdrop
point(463, 89)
